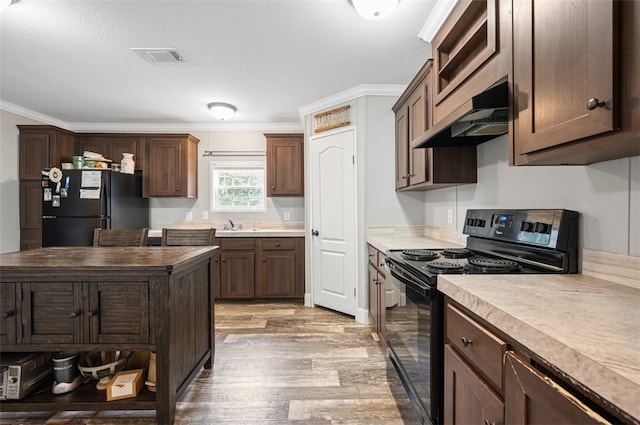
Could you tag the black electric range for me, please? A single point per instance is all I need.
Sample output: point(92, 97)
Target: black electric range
point(498, 242)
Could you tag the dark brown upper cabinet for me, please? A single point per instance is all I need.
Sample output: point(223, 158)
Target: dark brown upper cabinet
point(285, 164)
point(426, 168)
point(575, 79)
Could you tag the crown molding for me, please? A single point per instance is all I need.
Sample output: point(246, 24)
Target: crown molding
point(28, 113)
point(350, 94)
point(436, 18)
point(181, 127)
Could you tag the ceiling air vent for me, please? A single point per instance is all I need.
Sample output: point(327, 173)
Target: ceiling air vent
point(158, 55)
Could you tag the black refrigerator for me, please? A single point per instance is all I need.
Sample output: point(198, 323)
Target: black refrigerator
point(78, 201)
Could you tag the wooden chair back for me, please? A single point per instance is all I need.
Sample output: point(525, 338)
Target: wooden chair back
point(120, 237)
point(186, 237)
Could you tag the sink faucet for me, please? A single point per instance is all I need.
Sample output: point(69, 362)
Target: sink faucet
point(232, 225)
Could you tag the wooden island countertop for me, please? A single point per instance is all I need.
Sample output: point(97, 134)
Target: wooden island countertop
point(105, 299)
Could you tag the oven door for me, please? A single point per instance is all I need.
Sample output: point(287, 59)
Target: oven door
point(414, 341)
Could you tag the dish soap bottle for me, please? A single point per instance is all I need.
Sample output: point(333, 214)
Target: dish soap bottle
point(127, 165)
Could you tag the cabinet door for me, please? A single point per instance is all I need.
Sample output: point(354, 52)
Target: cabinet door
point(276, 274)
point(30, 214)
point(170, 166)
point(8, 314)
point(418, 124)
point(402, 147)
point(52, 313)
point(563, 58)
point(237, 274)
point(285, 159)
point(374, 293)
point(118, 312)
point(93, 144)
point(34, 154)
point(165, 158)
point(532, 398)
point(125, 145)
point(467, 398)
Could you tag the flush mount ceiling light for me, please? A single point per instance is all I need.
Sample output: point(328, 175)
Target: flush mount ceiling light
point(222, 111)
point(374, 9)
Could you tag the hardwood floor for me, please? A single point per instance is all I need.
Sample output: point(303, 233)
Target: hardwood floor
point(278, 364)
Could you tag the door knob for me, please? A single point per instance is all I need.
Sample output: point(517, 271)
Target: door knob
point(314, 232)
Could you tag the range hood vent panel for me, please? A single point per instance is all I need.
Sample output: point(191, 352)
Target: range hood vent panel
point(484, 117)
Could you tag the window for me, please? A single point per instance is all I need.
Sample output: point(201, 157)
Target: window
point(238, 186)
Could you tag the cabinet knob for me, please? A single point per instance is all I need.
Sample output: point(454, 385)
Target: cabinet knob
point(594, 103)
point(177, 189)
point(6, 314)
point(264, 260)
point(277, 243)
point(466, 341)
point(223, 260)
point(73, 314)
point(273, 188)
point(91, 314)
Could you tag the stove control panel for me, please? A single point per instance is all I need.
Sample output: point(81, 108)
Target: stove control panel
point(546, 228)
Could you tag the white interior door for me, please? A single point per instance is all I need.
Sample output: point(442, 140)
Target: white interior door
point(333, 220)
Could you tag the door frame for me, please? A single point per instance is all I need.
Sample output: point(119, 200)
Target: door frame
point(360, 315)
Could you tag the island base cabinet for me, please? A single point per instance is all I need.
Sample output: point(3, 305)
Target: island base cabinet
point(468, 399)
point(107, 299)
point(533, 398)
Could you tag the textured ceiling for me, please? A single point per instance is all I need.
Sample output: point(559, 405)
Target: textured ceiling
point(71, 60)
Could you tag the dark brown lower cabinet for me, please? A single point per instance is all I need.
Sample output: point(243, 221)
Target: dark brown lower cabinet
point(532, 398)
point(237, 268)
point(377, 290)
point(468, 398)
point(7, 314)
point(489, 378)
point(279, 268)
point(261, 268)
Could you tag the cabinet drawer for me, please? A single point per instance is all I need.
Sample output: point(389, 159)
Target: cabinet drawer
point(277, 243)
point(236, 243)
point(480, 347)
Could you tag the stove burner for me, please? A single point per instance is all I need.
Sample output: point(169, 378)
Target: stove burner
point(443, 267)
point(457, 253)
point(491, 265)
point(419, 254)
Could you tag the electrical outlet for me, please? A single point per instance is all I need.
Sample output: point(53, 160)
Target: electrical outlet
point(205, 215)
point(287, 215)
point(450, 216)
point(189, 216)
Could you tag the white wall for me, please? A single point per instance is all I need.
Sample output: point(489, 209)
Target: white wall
point(383, 206)
point(607, 195)
point(165, 211)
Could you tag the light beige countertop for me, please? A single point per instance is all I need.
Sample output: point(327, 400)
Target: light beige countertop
point(244, 233)
point(410, 237)
point(586, 327)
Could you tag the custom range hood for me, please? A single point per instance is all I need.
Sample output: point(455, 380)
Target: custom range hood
point(482, 118)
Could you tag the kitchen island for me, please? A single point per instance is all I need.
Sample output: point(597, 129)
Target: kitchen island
point(105, 299)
